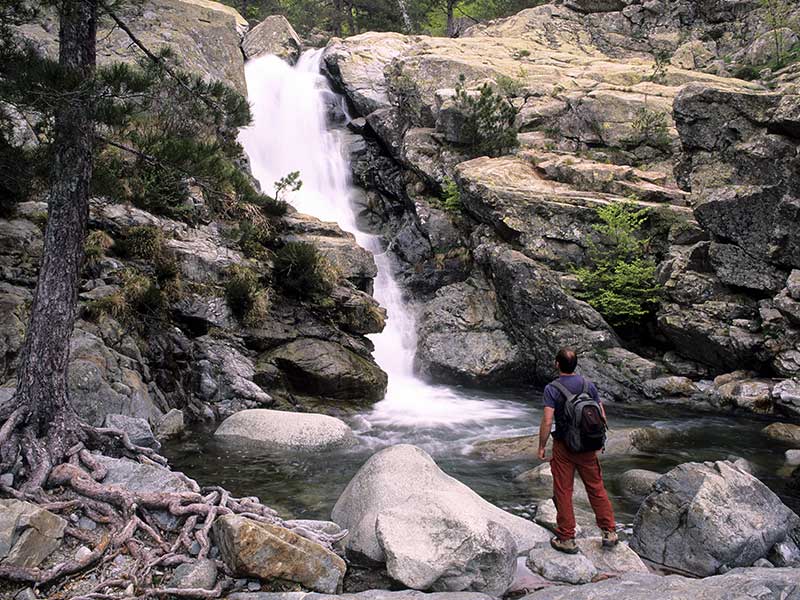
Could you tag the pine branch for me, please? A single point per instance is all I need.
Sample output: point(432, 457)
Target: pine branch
point(156, 59)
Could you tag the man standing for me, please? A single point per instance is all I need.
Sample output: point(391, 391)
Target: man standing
point(565, 461)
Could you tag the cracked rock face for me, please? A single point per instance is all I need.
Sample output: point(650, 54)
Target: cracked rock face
point(701, 517)
point(28, 534)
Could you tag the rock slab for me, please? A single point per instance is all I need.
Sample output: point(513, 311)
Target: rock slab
point(253, 549)
point(701, 517)
point(286, 430)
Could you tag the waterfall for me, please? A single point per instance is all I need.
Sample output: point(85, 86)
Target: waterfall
point(406, 17)
point(290, 132)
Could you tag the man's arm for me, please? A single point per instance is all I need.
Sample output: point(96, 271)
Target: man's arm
point(544, 430)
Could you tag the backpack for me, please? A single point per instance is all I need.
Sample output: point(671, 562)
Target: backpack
point(585, 427)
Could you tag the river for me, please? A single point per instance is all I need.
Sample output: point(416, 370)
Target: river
point(291, 133)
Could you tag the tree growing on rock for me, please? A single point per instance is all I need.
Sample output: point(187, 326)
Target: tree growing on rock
point(489, 116)
point(82, 111)
point(619, 281)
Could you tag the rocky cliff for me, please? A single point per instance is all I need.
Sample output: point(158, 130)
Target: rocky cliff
point(494, 282)
point(142, 355)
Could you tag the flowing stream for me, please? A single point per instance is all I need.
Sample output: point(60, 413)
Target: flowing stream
point(291, 132)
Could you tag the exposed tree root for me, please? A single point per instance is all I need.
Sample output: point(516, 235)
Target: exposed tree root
point(130, 521)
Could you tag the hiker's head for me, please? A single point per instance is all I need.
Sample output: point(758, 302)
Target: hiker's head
point(566, 360)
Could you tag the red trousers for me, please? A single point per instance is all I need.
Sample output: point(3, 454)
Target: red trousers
point(563, 466)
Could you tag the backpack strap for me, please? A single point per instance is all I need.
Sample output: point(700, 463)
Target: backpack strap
point(585, 386)
point(564, 391)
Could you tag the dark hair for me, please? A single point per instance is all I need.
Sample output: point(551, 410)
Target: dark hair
point(567, 360)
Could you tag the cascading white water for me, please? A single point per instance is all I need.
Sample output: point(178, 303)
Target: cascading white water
point(406, 18)
point(291, 133)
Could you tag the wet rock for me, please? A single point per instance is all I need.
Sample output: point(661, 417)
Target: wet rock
point(670, 387)
point(556, 566)
point(402, 481)
point(743, 584)
point(322, 368)
point(462, 341)
point(637, 484)
point(793, 457)
point(201, 574)
point(752, 395)
point(286, 430)
point(703, 516)
point(274, 35)
point(28, 534)
point(786, 433)
point(786, 395)
point(254, 549)
point(138, 430)
point(171, 425)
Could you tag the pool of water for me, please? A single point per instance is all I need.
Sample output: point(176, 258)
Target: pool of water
point(308, 485)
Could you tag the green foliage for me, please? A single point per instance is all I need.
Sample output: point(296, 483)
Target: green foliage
point(489, 119)
point(291, 182)
point(96, 245)
point(139, 297)
point(660, 67)
point(651, 128)
point(451, 197)
point(778, 15)
point(254, 238)
point(302, 271)
point(246, 296)
point(747, 72)
point(141, 241)
point(620, 281)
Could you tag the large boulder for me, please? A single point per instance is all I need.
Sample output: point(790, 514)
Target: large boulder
point(462, 341)
point(274, 35)
point(255, 549)
point(324, 368)
point(28, 534)
point(286, 430)
point(431, 530)
point(741, 584)
point(205, 34)
point(701, 517)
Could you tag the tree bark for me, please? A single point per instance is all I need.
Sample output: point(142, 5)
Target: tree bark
point(51, 425)
point(451, 23)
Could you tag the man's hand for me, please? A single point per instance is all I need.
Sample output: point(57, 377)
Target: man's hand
point(542, 453)
point(544, 430)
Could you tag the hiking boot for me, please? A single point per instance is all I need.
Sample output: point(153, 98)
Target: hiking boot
point(566, 546)
point(610, 538)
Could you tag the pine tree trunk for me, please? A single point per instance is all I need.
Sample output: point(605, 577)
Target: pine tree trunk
point(451, 22)
point(51, 425)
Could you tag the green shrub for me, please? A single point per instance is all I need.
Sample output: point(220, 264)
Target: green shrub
point(651, 128)
point(747, 73)
point(620, 279)
point(490, 119)
point(302, 271)
point(660, 67)
point(141, 241)
point(254, 238)
point(451, 197)
point(246, 296)
point(96, 245)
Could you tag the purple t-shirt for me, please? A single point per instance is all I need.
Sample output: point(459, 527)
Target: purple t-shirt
point(574, 383)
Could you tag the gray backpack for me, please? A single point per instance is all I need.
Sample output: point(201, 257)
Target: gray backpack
point(585, 427)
